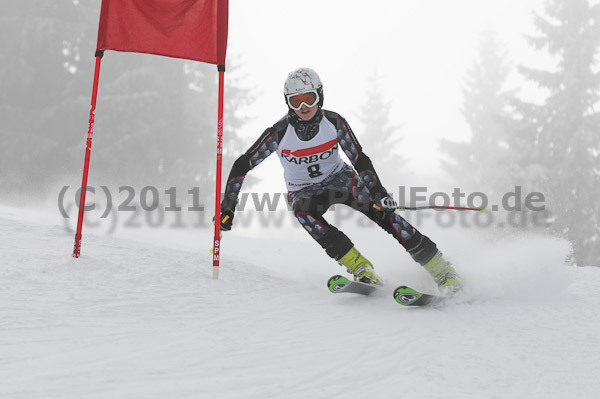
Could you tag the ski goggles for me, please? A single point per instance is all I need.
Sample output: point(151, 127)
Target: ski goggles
point(308, 98)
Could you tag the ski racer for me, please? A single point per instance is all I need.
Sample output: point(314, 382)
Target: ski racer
point(307, 141)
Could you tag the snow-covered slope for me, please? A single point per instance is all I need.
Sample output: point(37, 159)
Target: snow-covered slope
point(143, 319)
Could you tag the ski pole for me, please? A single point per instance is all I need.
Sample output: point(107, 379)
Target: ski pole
point(456, 208)
point(419, 208)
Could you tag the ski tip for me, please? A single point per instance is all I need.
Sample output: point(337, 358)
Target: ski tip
point(336, 283)
point(406, 296)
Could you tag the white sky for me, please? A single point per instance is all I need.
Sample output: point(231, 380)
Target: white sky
point(421, 50)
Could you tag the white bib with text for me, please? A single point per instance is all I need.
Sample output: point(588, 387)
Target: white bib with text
point(309, 162)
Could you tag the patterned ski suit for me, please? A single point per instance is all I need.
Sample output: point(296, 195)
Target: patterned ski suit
point(317, 178)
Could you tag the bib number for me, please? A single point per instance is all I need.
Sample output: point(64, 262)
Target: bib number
point(314, 171)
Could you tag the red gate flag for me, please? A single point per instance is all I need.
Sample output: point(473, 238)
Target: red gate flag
point(190, 29)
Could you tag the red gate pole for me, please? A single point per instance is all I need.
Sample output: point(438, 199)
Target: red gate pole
point(217, 240)
point(88, 150)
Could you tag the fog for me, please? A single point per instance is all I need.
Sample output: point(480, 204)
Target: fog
point(419, 52)
point(156, 117)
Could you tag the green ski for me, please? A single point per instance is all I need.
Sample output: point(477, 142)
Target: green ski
point(407, 296)
point(340, 284)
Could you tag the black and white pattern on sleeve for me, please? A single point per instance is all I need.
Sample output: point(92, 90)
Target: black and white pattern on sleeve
point(264, 148)
point(345, 136)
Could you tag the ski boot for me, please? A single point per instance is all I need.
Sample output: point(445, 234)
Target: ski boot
point(444, 274)
point(360, 267)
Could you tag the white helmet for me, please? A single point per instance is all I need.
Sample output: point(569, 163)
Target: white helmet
point(302, 80)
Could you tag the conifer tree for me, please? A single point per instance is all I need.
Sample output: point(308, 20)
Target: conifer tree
point(154, 126)
point(380, 139)
point(482, 161)
point(563, 134)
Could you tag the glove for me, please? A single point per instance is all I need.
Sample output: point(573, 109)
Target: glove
point(385, 205)
point(226, 220)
